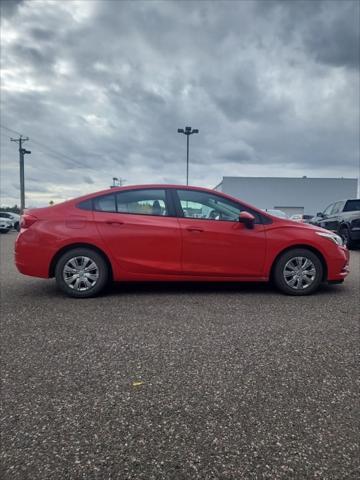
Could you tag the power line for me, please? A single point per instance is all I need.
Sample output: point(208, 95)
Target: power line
point(10, 130)
point(49, 149)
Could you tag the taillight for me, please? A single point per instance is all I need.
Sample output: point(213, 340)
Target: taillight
point(27, 220)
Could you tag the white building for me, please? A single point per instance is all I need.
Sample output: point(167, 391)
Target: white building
point(291, 195)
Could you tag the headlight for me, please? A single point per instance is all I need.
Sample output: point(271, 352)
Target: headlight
point(332, 236)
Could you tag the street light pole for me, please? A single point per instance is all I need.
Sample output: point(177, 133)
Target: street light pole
point(187, 131)
point(187, 159)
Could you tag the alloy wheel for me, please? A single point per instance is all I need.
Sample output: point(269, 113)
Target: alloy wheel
point(80, 273)
point(299, 273)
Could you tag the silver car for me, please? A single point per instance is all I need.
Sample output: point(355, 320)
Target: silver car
point(5, 225)
point(14, 218)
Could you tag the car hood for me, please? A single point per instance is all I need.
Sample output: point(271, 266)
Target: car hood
point(299, 226)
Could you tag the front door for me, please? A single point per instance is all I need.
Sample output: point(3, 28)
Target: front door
point(215, 243)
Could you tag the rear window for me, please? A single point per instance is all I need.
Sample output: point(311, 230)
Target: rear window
point(352, 206)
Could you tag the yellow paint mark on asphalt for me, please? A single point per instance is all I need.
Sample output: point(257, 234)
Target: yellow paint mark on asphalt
point(137, 384)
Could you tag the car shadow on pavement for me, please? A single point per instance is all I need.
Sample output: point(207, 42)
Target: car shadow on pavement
point(199, 288)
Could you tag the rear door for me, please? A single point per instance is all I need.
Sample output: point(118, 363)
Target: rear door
point(215, 243)
point(141, 230)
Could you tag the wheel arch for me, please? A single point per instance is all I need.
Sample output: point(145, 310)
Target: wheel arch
point(307, 247)
point(71, 246)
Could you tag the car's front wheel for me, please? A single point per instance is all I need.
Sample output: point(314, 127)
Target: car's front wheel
point(81, 272)
point(298, 272)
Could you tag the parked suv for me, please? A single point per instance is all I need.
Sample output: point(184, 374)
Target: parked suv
point(172, 232)
point(343, 218)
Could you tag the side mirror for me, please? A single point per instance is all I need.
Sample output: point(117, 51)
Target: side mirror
point(247, 219)
point(320, 214)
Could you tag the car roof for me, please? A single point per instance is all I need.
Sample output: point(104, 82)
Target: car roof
point(160, 186)
point(151, 186)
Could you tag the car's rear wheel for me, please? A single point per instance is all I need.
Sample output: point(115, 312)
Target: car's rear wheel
point(298, 272)
point(81, 273)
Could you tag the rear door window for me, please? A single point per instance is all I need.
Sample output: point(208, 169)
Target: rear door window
point(143, 202)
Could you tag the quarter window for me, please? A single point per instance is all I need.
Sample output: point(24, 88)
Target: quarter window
point(106, 203)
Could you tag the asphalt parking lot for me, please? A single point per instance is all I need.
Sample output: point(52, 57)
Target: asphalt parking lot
point(179, 381)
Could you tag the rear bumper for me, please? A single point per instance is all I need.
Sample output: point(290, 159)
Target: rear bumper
point(30, 257)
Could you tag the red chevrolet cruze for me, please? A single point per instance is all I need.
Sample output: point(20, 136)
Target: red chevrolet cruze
point(171, 232)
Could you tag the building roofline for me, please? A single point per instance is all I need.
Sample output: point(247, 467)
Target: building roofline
point(293, 178)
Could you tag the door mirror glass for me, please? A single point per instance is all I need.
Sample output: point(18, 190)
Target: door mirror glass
point(320, 214)
point(247, 219)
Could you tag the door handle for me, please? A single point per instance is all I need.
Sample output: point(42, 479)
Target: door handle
point(199, 230)
point(110, 222)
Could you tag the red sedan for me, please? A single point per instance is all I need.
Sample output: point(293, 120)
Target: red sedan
point(172, 232)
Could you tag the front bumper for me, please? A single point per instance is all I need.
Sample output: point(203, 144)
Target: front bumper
point(338, 265)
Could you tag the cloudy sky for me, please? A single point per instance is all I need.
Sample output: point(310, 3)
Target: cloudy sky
point(101, 87)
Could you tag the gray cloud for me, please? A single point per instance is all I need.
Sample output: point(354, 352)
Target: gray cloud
point(328, 29)
point(101, 87)
point(9, 7)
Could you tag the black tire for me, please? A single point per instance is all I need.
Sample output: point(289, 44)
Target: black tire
point(17, 226)
point(345, 235)
point(102, 272)
point(282, 267)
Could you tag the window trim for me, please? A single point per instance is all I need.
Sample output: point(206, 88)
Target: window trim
point(168, 202)
point(262, 219)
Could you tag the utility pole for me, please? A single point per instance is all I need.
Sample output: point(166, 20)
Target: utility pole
point(22, 152)
point(187, 131)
